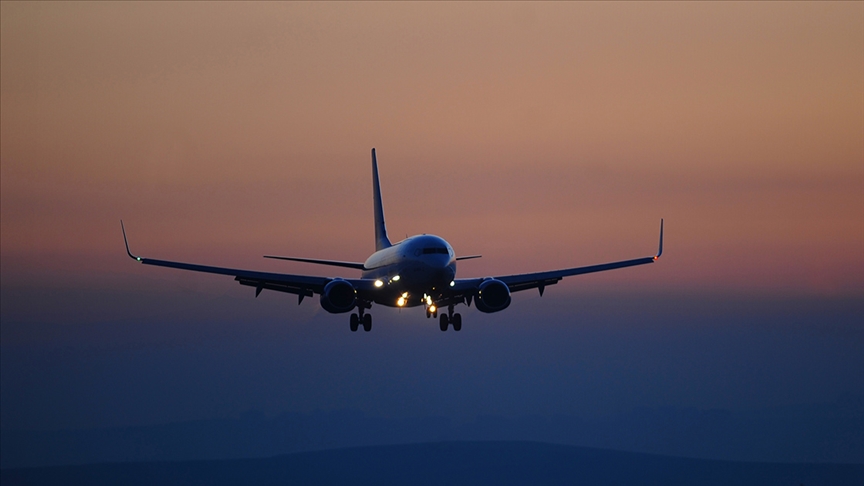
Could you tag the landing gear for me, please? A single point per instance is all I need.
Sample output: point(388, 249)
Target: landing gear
point(450, 318)
point(457, 322)
point(361, 318)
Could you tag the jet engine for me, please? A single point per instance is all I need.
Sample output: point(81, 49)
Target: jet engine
point(339, 296)
point(492, 296)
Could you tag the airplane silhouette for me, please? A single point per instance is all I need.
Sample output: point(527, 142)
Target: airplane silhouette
point(417, 271)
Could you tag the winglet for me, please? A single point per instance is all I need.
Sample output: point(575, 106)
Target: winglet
point(127, 243)
point(660, 250)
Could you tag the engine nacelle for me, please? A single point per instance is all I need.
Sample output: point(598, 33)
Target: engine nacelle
point(338, 297)
point(492, 296)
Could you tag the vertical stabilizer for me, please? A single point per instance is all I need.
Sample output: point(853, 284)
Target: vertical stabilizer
point(381, 240)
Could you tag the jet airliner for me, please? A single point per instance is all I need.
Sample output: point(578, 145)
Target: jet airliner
point(417, 271)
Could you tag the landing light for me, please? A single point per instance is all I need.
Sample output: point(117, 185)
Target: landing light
point(395, 278)
point(379, 283)
point(400, 301)
point(432, 308)
point(452, 283)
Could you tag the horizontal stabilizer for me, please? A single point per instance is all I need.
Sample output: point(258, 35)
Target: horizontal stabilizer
point(470, 257)
point(332, 263)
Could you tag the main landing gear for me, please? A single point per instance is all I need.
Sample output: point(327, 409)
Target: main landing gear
point(450, 318)
point(361, 318)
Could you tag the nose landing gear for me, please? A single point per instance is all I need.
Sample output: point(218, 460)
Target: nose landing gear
point(450, 318)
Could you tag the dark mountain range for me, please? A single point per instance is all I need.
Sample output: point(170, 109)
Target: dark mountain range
point(831, 432)
point(453, 463)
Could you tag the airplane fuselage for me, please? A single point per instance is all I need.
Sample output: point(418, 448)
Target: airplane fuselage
point(417, 266)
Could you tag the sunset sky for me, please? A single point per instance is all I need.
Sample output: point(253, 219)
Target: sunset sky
point(540, 135)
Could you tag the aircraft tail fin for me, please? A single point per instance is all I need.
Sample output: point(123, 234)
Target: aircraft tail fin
point(381, 240)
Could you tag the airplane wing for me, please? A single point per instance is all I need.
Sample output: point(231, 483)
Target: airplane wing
point(332, 263)
point(540, 280)
point(301, 285)
point(464, 289)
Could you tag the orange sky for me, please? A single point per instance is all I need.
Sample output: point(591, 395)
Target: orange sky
point(540, 135)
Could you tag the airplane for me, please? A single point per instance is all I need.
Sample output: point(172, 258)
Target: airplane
point(417, 271)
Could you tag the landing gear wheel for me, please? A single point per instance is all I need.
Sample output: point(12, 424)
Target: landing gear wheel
point(367, 322)
point(457, 322)
point(355, 322)
point(444, 322)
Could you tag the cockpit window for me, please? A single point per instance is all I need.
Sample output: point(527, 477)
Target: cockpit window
point(438, 249)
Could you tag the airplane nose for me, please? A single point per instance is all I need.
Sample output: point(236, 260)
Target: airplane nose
point(439, 268)
point(446, 272)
